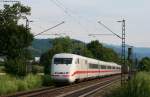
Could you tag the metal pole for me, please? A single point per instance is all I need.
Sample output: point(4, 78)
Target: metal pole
point(123, 57)
point(130, 60)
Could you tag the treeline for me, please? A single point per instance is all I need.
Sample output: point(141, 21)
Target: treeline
point(94, 49)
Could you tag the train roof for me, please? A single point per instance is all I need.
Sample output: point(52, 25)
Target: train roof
point(69, 55)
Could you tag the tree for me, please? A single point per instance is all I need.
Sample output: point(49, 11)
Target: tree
point(60, 45)
point(14, 38)
point(65, 43)
point(96, 48)
point(144, 64)
point(103, 53)
point(110, 55)
point(81, 49)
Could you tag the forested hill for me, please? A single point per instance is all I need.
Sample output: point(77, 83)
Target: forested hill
point(40, 46)
point(139, 52)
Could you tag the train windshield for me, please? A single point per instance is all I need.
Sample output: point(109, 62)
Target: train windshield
point(62, 60)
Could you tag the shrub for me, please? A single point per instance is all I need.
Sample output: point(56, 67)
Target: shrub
point(37, 69)
point(1, 63)
point(2, 69)
point(47, 81)
point(16, 67)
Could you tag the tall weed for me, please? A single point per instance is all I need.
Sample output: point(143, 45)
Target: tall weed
point(139, 86)
point(10, 84)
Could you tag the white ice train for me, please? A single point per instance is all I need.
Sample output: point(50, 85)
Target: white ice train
point(70, 68)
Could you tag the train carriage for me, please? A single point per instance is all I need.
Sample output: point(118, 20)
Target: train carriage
point(70, 68)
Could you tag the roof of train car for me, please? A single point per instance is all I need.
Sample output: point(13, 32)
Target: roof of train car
point(68, 55)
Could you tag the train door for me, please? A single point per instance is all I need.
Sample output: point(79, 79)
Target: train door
point(78, 68)
point(82, 70)
point(87, 68)
point(99, 69)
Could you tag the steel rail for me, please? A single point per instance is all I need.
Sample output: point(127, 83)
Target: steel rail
point(82, 92)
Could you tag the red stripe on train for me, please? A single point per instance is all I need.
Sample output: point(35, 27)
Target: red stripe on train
point(64, 75)
point(98, 71)
point(84, 72)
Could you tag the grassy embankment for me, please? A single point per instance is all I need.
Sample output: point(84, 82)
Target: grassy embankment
point(139, 86)
point(11, 84)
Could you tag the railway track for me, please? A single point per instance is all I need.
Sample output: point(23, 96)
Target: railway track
point(91, 89)
point(75, 90)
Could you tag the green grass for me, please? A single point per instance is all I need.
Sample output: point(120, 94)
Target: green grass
point(9, 84)
point(139, 86)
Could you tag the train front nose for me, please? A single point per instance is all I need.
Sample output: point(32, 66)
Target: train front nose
point(59, 76)
point(60, 70)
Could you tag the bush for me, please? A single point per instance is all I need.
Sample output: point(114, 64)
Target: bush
point(137, 87)
point(16, 67)
point(47, 81)
point(1, 63)
point(37, 69)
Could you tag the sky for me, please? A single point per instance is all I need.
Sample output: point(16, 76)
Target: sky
point(81, 17)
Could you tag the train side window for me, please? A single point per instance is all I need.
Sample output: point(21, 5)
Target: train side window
point(108, 67)
point(77, 61)
point(85, 61)
point(103, 67)
point(93, 66)
point(99, 66)
point(113, 67)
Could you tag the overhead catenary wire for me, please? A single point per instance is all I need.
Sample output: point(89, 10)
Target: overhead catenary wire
point(68, 12)
point(109, 29)
point(100, 34)
point(50, 28)
point(15, 1)
point(60, 6)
